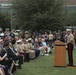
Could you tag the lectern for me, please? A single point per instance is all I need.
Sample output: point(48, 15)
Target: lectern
point(59, 54)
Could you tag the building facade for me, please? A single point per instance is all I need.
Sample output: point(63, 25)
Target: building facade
point(71, 9)
point(70, 5)
point(5, 1)
point(70, 2)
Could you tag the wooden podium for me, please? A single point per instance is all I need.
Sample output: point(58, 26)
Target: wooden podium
point(60, 54)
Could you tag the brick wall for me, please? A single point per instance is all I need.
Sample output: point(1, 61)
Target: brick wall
point(70, 2)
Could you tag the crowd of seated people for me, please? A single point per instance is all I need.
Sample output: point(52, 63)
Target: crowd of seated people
point(15, 49)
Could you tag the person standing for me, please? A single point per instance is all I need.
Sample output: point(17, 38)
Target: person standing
point(70, 45)
point(51, 38)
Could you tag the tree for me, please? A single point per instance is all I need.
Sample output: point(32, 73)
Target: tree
point(39, 14)
point(71, 18)
point(4, 21)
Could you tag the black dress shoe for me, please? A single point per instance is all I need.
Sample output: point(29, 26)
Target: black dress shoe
point(69, 64)
point(19, 67)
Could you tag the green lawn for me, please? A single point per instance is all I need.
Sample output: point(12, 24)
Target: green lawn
point(44, 66)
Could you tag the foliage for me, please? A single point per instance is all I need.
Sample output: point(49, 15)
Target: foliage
point(4, 21)
point(39, 14)
point(71, 18)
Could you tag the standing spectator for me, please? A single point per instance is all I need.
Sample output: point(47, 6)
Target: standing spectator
point(51, 38)
point(58, 35)
point(46, 36)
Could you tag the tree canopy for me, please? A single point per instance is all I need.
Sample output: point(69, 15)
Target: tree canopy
point(71, 18)
point(39, 14)
point(4, 21)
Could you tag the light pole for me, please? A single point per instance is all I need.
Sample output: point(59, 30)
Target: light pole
point(7, 6)
point(11, 20)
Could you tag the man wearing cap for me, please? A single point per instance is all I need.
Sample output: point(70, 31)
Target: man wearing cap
point(70, 40)
point(20, 48)
point(26, 34)
point(28, 49)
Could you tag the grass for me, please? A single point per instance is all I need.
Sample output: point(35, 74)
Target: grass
point(44, 66)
